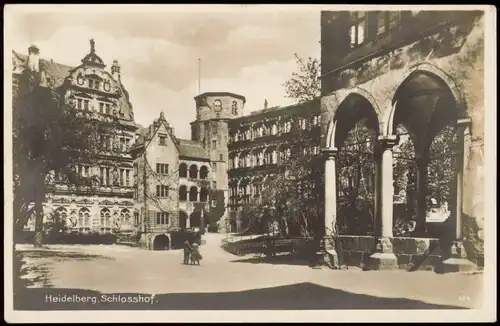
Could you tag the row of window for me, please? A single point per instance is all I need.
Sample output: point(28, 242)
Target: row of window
point(380, 21)
point(273, 129)
point(244, 193)
point(109, 142)
point(107, 175)
point(193, 171)
point(218, 106)
point(84, 104)
point(266, 157)
point(82, 219)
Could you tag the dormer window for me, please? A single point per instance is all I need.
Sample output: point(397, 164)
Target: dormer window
point(101, 107)
point(108, 108)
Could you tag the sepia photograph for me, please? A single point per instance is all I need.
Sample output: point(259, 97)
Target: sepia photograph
point(249, 163)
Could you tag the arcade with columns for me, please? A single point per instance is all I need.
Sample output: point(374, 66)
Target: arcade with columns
point(424, 99)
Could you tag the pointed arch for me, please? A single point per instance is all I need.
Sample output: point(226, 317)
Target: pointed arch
point(342, 98)
point(426, 68)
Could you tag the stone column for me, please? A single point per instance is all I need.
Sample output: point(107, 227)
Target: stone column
point(377, 195)
point(330, 255)
point(457, 257)
point(384, 257)
point(421, 193)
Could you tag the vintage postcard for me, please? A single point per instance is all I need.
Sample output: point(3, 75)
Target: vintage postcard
point(249, 163)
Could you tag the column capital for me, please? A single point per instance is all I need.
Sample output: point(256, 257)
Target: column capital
point(387, 142)
point(330, 152)
point(464, 122)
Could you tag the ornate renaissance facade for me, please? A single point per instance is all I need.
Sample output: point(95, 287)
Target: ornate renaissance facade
point(107, 206)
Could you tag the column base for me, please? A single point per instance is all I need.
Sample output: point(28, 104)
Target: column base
point(454, 265)
point(383, 261)
point(457, 261)
point(383, 258)
point(331, 259)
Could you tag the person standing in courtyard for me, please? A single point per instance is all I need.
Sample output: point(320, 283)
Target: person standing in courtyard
point(195, 254)
point(187, 252)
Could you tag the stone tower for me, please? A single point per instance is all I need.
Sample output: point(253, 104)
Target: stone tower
point(213, 111)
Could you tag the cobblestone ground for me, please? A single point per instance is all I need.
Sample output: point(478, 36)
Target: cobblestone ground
point(120, 269)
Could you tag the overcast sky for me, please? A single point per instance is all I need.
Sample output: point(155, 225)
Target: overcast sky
point(245, 52)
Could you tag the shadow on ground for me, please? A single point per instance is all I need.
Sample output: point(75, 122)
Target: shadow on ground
point(56, 255)
point(36, 272)
point(287, 259)
point(289, 297)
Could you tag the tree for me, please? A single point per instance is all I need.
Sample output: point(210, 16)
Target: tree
point(304, 85)
point(291, 195)
point(50, 138)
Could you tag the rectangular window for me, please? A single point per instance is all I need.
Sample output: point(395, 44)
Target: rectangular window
point(79, 103)
point(127, 178)
point(162, 140)
point(87, 171)
point(101, 107)
point(91, 83)
point(162, 218)
point(86, 105)
point(108, 176)
point(214, 144)
point(357, 29)
point(394, 19)
point(161, 191)
point(214, 184)
point(221, 157)
point(101, 175)
point(214, 167)
point(97, 84)
point(381, 19)
point(161, 168)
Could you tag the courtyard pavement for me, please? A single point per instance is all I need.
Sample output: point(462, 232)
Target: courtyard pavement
point(225, 281)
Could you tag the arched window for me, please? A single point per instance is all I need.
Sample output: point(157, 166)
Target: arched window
point(61, 215)
point(125, 216)
point(182, 193)
point(193, 172)
point(73, 219)
point(203, 195)
point(193, 194)
point(234, 107)
point(182, 170)
point(218, 105)
point(203, 172)
point(84, 217)
point(241, 160)
point(105, 218)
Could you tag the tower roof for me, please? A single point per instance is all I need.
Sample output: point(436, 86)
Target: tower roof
point(241, 97)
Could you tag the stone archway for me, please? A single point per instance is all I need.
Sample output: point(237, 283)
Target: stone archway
point(161, 242)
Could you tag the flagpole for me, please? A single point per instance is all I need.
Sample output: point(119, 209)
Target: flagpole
point(199, 76)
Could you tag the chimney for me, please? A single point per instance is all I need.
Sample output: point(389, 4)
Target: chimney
point(115, 70)
point(265, 103)
point(33, 58)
